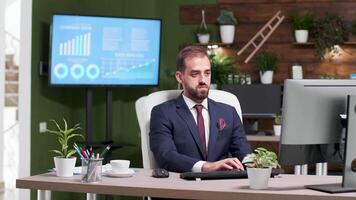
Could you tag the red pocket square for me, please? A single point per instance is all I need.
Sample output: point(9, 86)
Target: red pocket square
point(221, 124)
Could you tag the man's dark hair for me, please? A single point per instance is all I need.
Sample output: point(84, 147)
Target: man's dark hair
point(189, 52)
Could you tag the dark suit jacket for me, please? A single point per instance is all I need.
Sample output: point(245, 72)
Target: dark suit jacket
point(174, 137)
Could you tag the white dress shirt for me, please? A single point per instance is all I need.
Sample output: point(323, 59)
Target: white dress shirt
point(205, 113)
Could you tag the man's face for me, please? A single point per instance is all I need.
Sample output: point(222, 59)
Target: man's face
point(195, 79)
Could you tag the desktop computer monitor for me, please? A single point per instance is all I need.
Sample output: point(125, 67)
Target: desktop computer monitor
point(312, 126)
point(257, 100)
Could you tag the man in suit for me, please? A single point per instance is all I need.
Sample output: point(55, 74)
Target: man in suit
point(193, 132)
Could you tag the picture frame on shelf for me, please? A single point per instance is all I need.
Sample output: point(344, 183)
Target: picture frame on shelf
point(297, 71)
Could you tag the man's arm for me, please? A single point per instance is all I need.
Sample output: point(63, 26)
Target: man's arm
point(162, 144)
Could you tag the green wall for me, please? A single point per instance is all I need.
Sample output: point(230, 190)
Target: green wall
point(57, 102)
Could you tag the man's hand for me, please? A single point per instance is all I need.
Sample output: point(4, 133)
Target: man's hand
point(228, 163)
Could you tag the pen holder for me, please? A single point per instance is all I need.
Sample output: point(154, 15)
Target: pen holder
point(91, 170)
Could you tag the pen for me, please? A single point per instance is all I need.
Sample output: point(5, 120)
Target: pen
point(104, 152)
point(87, 152)
point(78, 152)
point(84, 154)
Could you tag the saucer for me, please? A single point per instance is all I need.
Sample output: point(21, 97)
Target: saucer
point(123, 174)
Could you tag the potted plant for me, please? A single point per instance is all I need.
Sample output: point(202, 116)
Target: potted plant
point(221, 66)
point(259, 166)
point(266, 63)
point(227, 22)
point(64, 162)
point(203, 32)
point(277, 124)
point(328, 32)
point(301, 24)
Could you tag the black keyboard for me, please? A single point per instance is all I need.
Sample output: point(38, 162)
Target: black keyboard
point(226, 174)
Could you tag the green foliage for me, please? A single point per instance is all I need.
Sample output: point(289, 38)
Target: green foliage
point(327, 76)
point(203, 30)
point(266, 61)
point(226, 18)
point(262, 158)
point(278, 119)
point(328, 31)
point(64, 135)
point(221, 66)
point(301, 22)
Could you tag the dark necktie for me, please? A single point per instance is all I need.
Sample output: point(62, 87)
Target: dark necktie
point(201, 128)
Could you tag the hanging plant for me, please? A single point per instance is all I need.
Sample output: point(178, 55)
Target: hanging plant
point(203, 32)
point(328, 32)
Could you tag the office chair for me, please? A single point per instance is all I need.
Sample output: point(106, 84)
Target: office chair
point(145, 104)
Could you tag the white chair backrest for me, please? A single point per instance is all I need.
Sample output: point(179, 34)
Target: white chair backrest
point(144, 107)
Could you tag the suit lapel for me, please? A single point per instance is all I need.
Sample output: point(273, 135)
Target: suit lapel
point(184, 112)
point(213, 127)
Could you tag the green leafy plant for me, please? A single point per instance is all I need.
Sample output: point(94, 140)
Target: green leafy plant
point(221, 66)
point(64, 134)
point(226, 18)
point(203, 30)
point(278, 119)
point(266, 61)
point(328, 32)
point(301, 21)
point(262, 158)
point(327, 76)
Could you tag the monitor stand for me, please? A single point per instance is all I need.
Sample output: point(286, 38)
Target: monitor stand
point(349, 176)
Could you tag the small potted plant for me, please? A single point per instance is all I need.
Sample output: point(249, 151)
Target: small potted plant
point(64, 162)
point(221, 66)
point(266, 63)
point(227, 22)
point(203, 32)
point(301, 24)
point(277, 124)
point(259, 167)
point(328, 32)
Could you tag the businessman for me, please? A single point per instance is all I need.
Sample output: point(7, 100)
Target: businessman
point(193, 132)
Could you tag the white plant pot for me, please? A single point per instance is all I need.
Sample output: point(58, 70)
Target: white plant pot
point(277, 130)
point(203, 38)
point(266, 77)
point(64, 166)
point(258, 177)
point(227, 33)
point(301, 36)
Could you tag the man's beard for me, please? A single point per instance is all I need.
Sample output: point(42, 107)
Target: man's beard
point(196, 94)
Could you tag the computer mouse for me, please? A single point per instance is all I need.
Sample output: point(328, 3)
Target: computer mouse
point(160, 173)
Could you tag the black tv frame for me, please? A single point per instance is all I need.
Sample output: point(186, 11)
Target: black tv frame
point(103, 85)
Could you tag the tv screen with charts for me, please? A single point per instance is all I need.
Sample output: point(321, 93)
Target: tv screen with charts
point(104, 51)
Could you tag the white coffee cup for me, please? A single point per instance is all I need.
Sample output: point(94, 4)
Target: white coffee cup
point(120, 165)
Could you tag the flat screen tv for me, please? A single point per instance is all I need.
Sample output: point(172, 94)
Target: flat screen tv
point(104, 51)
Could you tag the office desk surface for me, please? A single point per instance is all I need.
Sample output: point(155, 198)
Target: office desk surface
point(142, 184)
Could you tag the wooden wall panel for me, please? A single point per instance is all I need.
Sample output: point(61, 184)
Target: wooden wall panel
point(253, 14)
point(260, 13)
point(278, 1)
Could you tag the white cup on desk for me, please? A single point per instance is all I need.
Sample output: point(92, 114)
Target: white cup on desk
point(118, 166)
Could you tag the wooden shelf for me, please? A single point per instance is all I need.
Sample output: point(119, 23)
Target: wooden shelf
point(213, 43)
point(263, 138)
point(206, 45)
point(312, 43)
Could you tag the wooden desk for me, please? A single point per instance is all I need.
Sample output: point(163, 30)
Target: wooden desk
point(287, 187)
